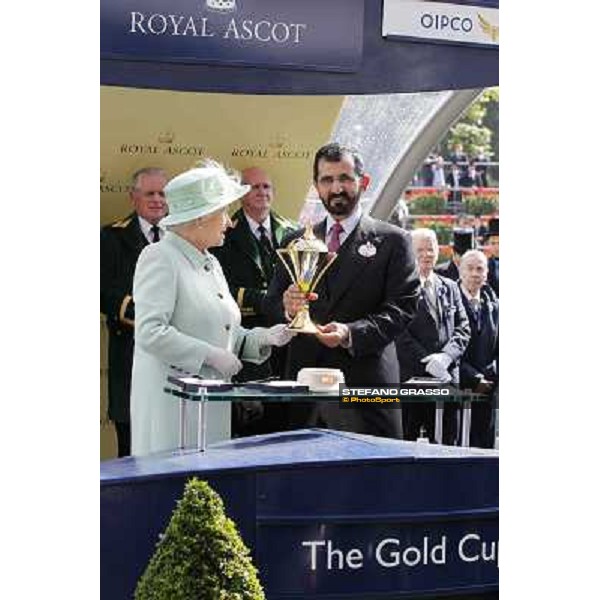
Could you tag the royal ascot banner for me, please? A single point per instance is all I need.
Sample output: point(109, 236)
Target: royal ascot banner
point(311, 34)
point(442, 22)
point(173, 130)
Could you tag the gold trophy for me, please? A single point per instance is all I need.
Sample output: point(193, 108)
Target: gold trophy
point(306, 260)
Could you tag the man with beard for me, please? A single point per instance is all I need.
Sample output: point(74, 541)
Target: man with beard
point(364, 301)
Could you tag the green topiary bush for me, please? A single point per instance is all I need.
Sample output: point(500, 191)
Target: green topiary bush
point(201, 555)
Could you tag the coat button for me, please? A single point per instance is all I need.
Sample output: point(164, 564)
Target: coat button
point(207, 268)
point(227, 327)
point(220, 295)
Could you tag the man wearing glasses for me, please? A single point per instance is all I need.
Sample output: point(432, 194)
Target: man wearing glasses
point(364, 301)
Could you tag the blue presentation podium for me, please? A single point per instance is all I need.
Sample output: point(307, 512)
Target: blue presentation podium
point(326, 514)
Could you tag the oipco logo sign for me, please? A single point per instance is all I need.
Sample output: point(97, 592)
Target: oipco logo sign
point(437, 21)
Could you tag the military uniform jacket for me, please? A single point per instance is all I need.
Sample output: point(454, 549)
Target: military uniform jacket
point(120, 245)
point(372, 287)
point(481, 356)
point(443, 328)
point(247, 277)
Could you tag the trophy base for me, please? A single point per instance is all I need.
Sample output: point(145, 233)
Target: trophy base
point(302, 323)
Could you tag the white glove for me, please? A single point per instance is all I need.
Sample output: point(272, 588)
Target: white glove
point(437, 365)
point(278, 335)
point(224, 362)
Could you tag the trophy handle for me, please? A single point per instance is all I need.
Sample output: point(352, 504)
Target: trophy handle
point(320, 275)
point(280, 254)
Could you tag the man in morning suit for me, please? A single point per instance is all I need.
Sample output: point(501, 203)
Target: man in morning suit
point(463, 239)
point(120, 245)
point(434, 341)
point(248, 260)
point(479, 364)
point(493, 243)
point(363, 302)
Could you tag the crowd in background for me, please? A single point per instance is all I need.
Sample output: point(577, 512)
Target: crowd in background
point(454, 170)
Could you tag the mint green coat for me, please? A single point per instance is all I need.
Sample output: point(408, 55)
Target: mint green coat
point(183, 308)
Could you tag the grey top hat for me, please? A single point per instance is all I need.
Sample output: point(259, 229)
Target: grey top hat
point(199, 192)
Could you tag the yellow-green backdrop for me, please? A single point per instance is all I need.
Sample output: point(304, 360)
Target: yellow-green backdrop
point(173, 130)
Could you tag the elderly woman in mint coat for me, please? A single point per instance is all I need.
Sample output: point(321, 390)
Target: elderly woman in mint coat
point(186, 317)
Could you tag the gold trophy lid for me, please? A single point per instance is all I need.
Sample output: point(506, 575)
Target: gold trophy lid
point(308, 242)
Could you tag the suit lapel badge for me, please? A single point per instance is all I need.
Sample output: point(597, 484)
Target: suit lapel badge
point(367, 250)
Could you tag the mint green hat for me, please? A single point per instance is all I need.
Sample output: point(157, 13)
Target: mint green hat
point(199, 192)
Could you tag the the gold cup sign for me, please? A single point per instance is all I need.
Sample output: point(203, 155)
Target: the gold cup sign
point(306, 260)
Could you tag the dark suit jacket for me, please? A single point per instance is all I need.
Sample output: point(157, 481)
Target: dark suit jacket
point(240, 259)
point(376, 297)
point(448, 269)
point(120, 245)
point(481, 355)
point(493, 278)
point(425, 335)
point(468, 181)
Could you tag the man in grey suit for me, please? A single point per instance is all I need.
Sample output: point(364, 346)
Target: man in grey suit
point(364, 301)
point(435, 340)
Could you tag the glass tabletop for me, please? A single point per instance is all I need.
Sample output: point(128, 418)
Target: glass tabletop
point(240, 393)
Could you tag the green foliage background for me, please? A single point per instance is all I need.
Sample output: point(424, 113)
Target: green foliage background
point(478, 127)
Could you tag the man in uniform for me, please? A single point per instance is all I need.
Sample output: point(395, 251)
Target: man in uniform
point(248, 259)
point(120, 245)
point(364, 301)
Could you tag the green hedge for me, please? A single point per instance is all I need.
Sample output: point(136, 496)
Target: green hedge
point(480, 205)
point(435, 204)
point(427, 205)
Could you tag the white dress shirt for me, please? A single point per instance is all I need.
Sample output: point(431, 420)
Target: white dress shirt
point(471, 297)
point(254, 225)
point(349, 224)
point(146, 228)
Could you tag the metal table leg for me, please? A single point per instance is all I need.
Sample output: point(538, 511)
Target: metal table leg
point(202, 402)
point(182, 420)
point(439, 422)
point(466, 424)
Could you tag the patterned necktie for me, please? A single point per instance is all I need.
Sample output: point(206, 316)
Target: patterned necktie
point(476, 307)
point(430, 295)
point(334, 241)
point(155, 233)
point(266, 252)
